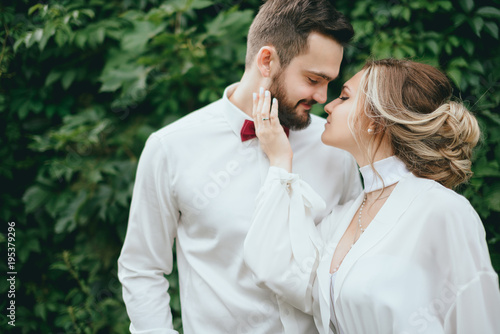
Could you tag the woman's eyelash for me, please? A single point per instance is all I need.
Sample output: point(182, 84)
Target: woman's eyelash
point(312, 81)
point(343, 98)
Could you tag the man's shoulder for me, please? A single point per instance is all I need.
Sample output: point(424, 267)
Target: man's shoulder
point(193, 122)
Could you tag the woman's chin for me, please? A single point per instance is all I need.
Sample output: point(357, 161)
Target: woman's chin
point(324, 138)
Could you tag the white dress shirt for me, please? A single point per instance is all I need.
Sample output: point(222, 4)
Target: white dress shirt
point(421, 266)
point(197, 183)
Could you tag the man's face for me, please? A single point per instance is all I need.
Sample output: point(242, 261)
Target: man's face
point(304, 81)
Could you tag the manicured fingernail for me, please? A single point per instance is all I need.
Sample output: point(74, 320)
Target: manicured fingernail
point(267, 93)
point(275, 101)
point(261, 90)
point(255, 96)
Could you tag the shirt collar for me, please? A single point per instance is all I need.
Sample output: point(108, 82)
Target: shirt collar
point(234, 115)
point(390, 171)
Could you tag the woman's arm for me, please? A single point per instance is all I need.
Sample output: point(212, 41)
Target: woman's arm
point(282, 245)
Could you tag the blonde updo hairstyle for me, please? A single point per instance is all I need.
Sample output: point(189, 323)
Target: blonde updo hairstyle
point(409, 104)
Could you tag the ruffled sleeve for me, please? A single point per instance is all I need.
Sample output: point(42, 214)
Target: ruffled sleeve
point(282, 246)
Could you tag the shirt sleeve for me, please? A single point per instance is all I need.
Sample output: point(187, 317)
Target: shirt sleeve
point(477, 307)
point(282, 246)
point(147, 251)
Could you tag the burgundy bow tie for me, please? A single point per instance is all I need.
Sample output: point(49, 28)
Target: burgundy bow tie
point(248, 130)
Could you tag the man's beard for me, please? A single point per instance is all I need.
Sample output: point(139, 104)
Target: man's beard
point(287, 110)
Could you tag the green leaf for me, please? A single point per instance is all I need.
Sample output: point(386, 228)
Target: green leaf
point(52, 77)
point(61, 38)
point(492, 29)
point(68, 78)
point(467, 5)
point(477, 24)
point(446, 5)
point(24, 109)
point(433, 46)
point(489, 12)
point(43, 41)
point(454, 41)
point(477, 67)
point(485, 168)
point(493, 117)
point(69, 217)
point(80, 39)
point(38, 34)
point(99, 35)
point(406, 14)
point(18, 43)
point(137, 39)
point(94, 176)
point(199, 4)
point(41, 311)
point(493, 200)
point(459, 62)
point(35, 7)
point(455, 75)
point(29, 39)
point(459, 19)
point(34, 198)
point(468, 46)
point(89, 12)
point(59, 266)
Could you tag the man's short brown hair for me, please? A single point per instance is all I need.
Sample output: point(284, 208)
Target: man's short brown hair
point(286, 25)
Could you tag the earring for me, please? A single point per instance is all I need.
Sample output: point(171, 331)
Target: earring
point(370, 130)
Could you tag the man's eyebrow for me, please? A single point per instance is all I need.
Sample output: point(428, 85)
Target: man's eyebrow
point(322, 75)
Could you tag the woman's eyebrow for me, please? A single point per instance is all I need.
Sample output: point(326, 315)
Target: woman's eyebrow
point(345, 87)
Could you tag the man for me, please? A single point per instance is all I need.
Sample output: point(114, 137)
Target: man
point(198, 179)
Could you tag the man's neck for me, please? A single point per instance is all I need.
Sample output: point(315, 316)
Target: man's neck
point(242, 95)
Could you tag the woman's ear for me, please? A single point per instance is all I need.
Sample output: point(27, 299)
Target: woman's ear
point(375, 127)
point(267, 61)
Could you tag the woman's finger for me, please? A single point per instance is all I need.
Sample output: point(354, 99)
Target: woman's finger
point(266, 106)
point(258, 119)
point(274, 114)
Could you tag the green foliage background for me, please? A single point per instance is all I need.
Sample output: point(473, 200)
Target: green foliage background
point(83, 84)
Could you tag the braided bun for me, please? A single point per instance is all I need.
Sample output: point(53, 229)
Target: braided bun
point(431, 134)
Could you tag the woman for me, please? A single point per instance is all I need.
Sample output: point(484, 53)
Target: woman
point(409, 254)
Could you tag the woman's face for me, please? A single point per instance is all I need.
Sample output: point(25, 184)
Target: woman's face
point(337, 132)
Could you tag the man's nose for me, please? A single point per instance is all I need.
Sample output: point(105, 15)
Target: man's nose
point(321, 94)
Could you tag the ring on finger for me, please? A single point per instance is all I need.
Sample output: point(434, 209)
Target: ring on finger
point(265, 119)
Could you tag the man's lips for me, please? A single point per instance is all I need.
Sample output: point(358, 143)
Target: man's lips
point(306, 104)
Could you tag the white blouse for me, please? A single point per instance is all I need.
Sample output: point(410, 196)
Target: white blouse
point(421, 266)
point(334, 325)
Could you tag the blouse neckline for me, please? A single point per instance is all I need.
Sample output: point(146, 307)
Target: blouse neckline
point(391, 170)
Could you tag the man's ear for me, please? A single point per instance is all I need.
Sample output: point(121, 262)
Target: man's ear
point(267, 61)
